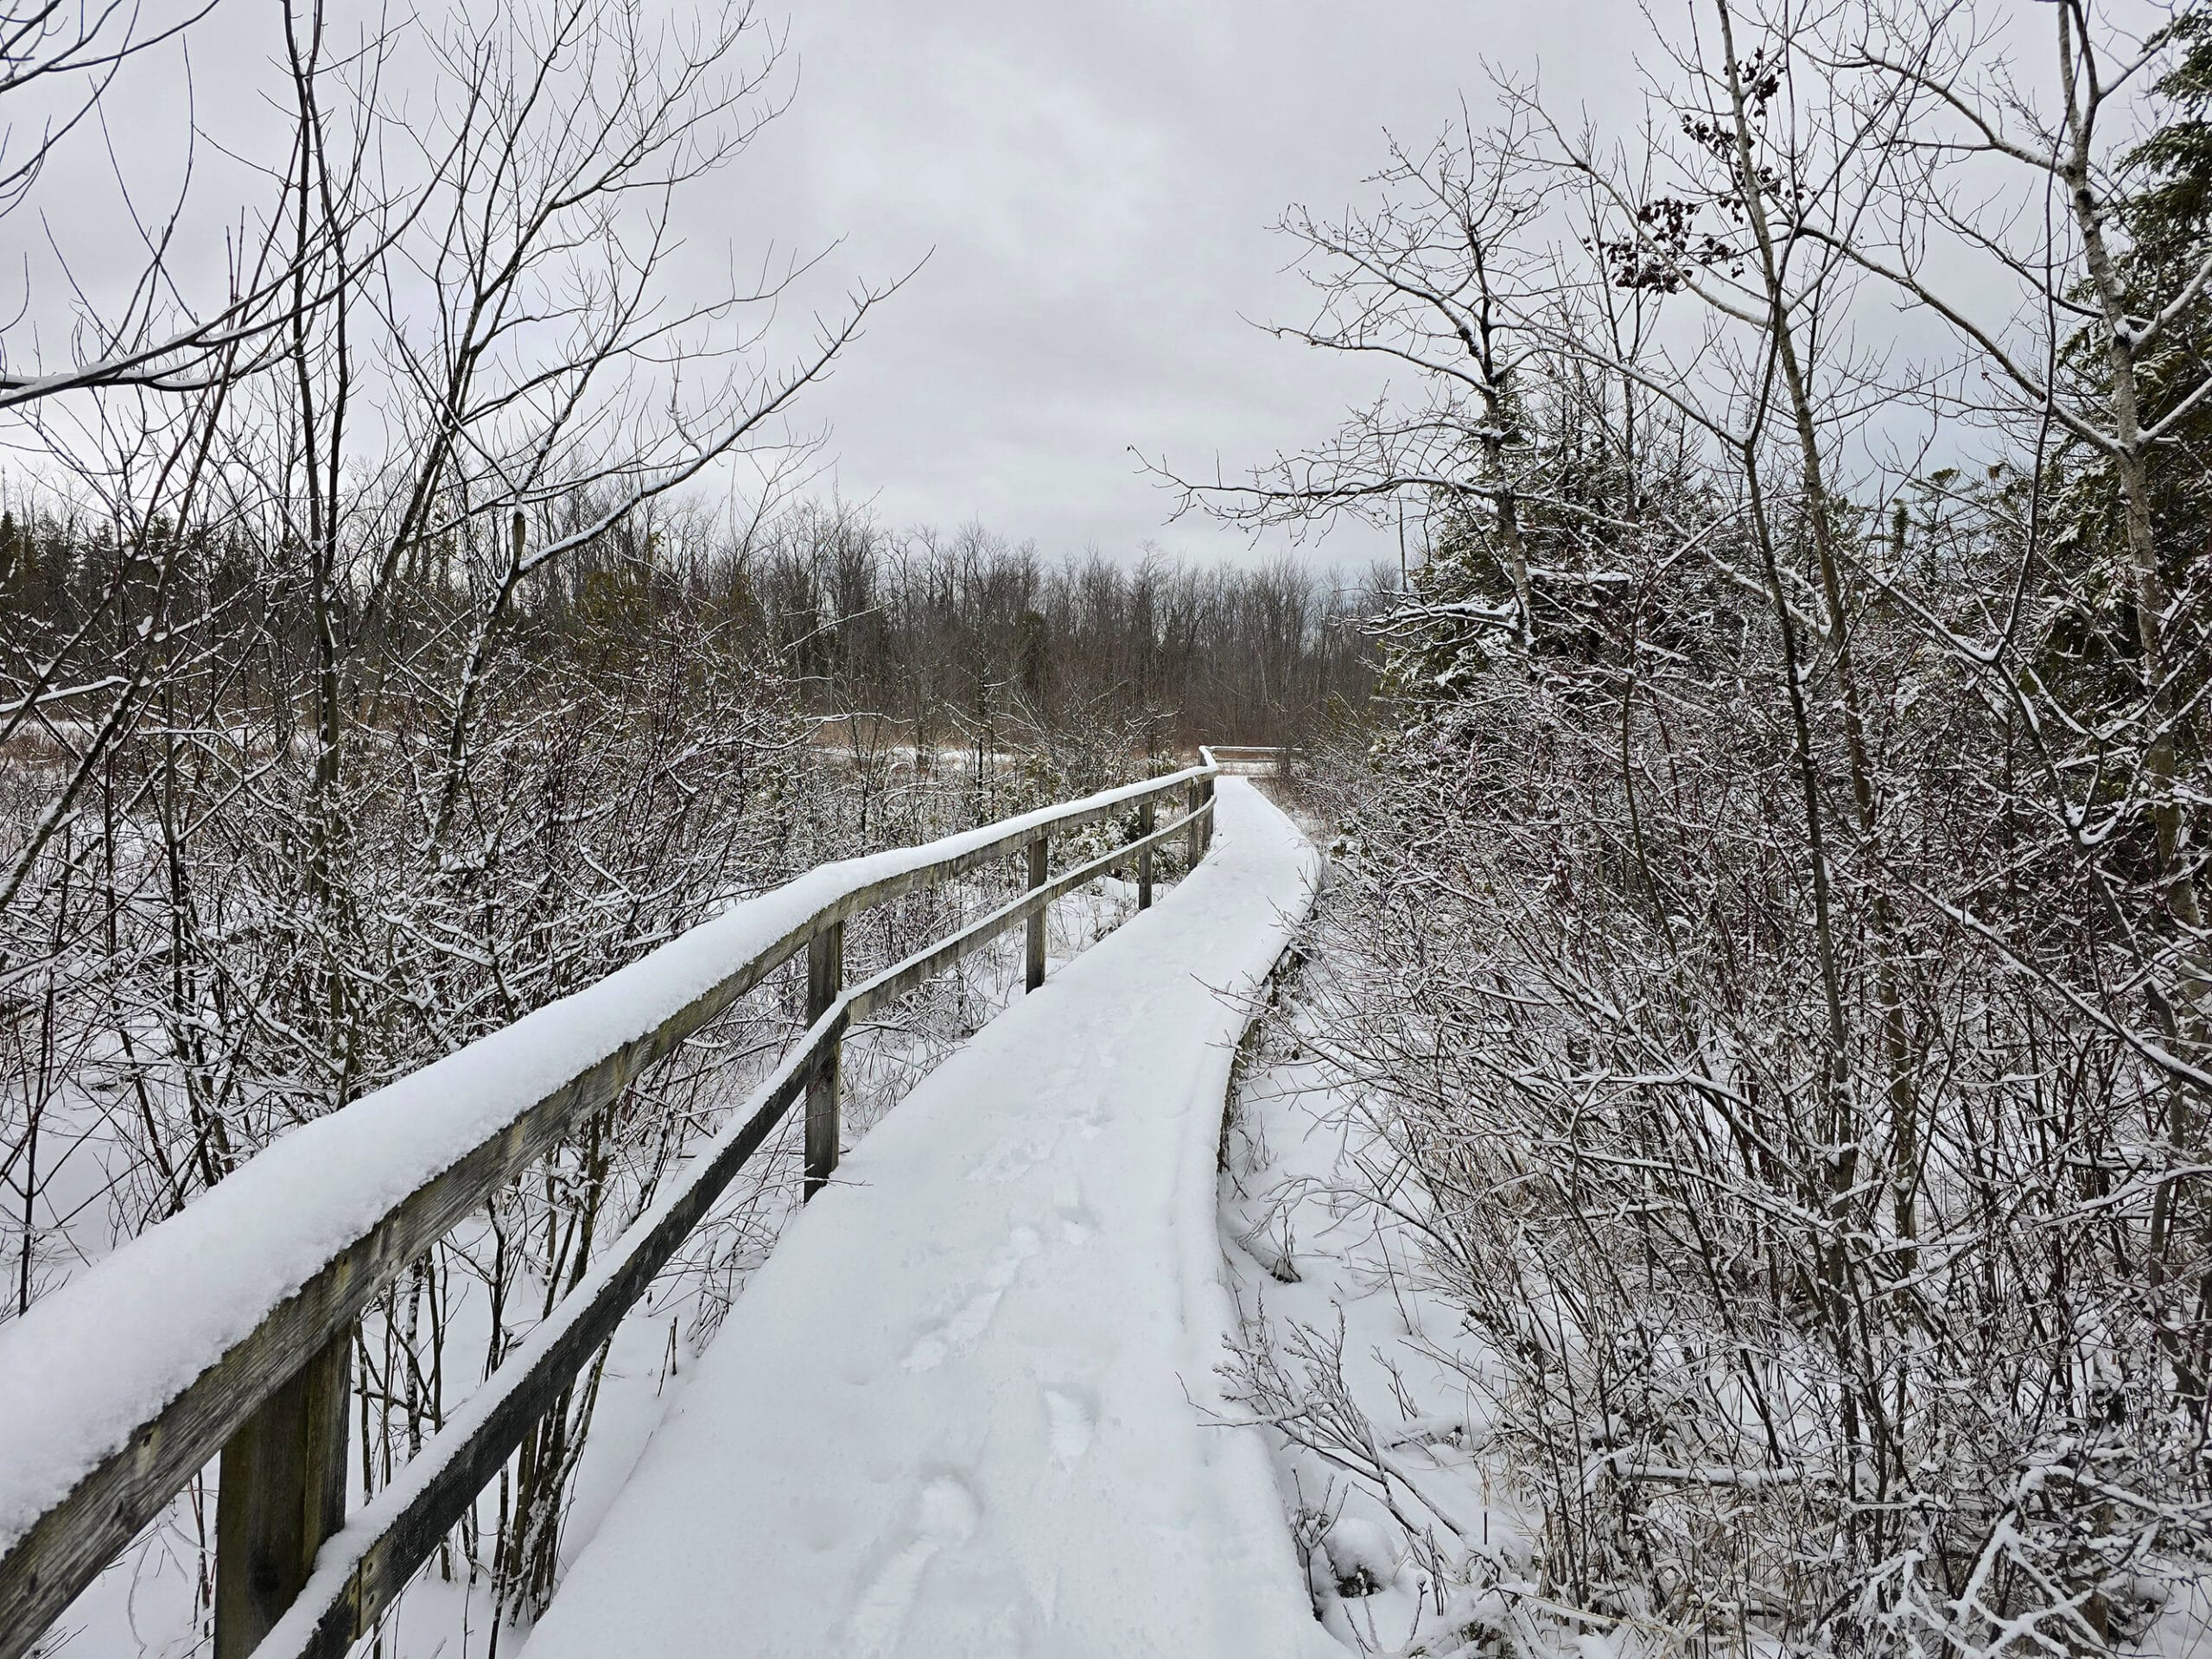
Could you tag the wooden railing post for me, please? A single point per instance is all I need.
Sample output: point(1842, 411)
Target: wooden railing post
point(281, 1491)
point(1205, 840)
point(1144, 858)
point(825, 979)
point(1036, 929)
point(1198, 847)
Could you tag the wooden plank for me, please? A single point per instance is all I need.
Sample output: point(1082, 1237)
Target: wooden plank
point(825, 981)
point(875, 893)
point(53, 1559)
point(1034, 967)
point(283, 1492)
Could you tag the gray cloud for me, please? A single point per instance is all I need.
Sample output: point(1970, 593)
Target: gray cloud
point(1092, 186)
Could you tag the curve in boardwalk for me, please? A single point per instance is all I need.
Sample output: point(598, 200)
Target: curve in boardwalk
point(961, 1409)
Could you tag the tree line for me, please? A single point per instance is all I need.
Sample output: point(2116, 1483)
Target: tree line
point(929, 638)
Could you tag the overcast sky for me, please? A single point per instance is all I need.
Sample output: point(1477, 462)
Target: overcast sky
point(1088, 190)
point(1093, 186)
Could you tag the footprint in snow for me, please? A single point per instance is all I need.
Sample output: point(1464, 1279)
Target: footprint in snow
point(1077, 1222)
point(945, 1513)
point(1072, 1419)
point(958, 1334)
point(1009, 1160)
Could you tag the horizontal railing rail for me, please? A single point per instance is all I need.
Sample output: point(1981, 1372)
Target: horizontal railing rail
point(1248, 759)
point(266, 1385)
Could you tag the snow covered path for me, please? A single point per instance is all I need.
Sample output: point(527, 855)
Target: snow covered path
point(960, 1411)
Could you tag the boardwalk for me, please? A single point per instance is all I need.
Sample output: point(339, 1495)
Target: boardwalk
point(960, 1411)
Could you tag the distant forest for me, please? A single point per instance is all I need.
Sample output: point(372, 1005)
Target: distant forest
point(918, 638)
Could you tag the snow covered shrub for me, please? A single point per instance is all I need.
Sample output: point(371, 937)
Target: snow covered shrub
point(1904, 1364)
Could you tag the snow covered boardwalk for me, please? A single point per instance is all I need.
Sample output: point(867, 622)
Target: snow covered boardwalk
point(961, 1410)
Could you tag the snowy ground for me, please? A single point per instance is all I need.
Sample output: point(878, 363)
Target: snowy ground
point(1364, 1376)
point(970, 1405)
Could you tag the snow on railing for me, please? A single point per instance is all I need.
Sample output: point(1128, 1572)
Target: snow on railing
point(1251, 760)
point(227, 1328)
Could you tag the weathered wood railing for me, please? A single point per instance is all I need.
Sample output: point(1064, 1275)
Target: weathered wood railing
point(294, 1575)
point(1252, 759)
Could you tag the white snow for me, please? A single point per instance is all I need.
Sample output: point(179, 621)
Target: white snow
point(963, 1407)
point(1333, 1281)
point(107, 1351)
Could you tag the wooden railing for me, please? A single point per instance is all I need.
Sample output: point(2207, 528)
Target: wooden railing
point(294, 1575)
point(1252, 759)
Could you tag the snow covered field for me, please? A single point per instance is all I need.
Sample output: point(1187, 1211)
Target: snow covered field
point(970, 1406)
